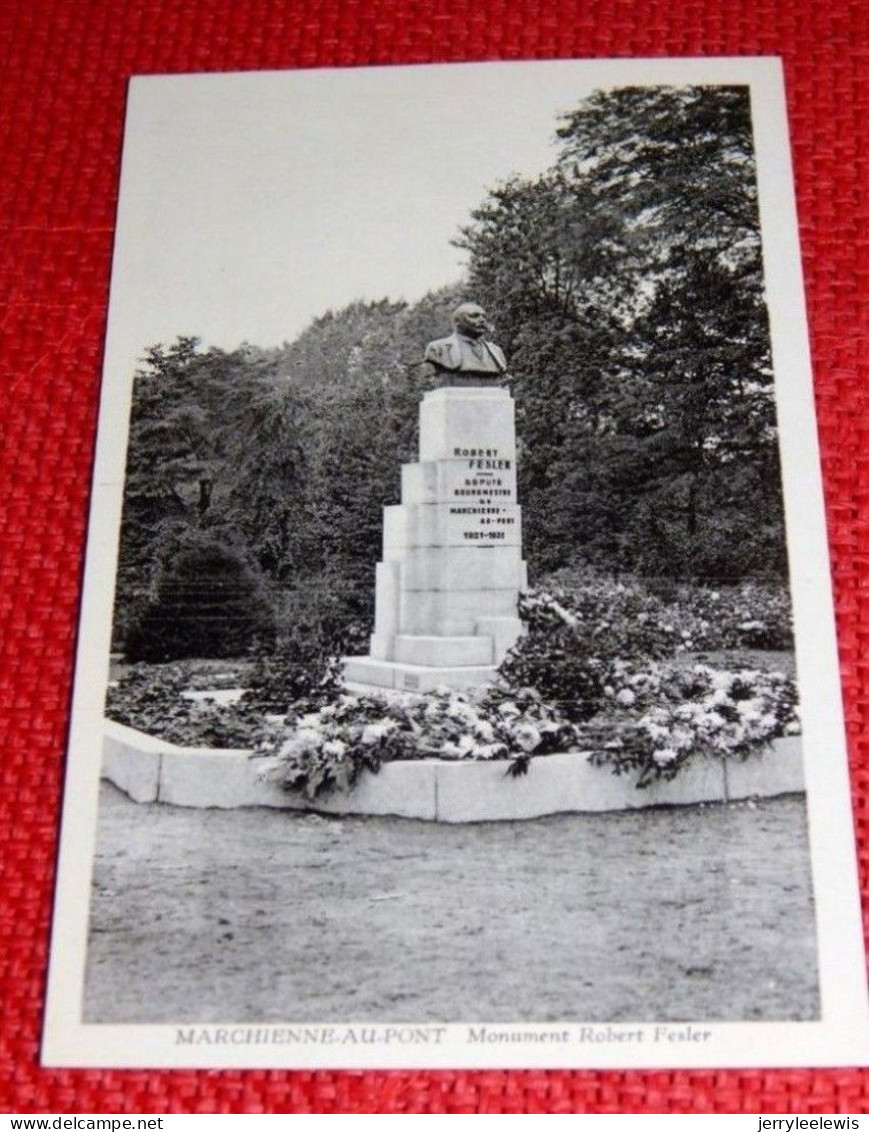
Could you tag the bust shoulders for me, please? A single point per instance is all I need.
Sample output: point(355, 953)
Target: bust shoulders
point(445, 352)
point(455, 353)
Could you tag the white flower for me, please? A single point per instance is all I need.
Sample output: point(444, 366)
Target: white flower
point(708, 722)
point(527, 736)
point(681, 738)
point(485, 730)
point(465, 746)
point(509, 708)
point(664, 756)
point(460, 711)
point(335, 747)
point(626, 698)
point(373, 732)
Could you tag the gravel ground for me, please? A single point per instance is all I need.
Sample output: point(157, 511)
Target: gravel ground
point(702, 913)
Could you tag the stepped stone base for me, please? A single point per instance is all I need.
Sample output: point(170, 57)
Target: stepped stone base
point(447, 589)
point(414, 677)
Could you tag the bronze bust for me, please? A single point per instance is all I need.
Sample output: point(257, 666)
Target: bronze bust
point(466, 355)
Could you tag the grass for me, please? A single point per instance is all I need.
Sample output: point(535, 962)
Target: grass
point(690, 913)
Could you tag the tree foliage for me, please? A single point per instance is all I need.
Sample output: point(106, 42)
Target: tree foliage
point(629, 283)
point(279, 453)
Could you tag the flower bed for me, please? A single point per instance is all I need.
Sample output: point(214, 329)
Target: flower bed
point(604, 667)
point(656, 720)
point(328, 748)
point(669, 713)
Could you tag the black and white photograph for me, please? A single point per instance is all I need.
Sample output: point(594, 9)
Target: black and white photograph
point(457, 679)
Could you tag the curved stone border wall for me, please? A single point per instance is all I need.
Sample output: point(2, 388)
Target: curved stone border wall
point(151, 770)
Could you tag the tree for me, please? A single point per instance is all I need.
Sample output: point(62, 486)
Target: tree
point(267, 475)
point(184, 444)
point(627, 285)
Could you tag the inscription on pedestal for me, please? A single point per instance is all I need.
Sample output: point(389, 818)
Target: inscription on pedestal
point(448, 524)
point(483, 481)
point(453, 481)
point(487, 524)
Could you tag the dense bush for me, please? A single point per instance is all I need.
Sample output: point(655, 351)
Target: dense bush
point(208, 603)
point(583, 627)
point(752, 615)
point(329, 614)
point(559, 664)
point(651, 719)
point(614, 618)
point(603, 668)
point(656, 719)
point(318, 627)
point(634, 618)
point(575, 634)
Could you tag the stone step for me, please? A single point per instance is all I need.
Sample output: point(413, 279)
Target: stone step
point(444, 652)
point(504, 631)
point(363, 672)
point(460, 567)
point(452, 613)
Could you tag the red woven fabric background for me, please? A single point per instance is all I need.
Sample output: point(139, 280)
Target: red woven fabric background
point(63, 70)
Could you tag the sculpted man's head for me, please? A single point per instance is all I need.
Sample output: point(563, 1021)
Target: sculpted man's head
point(470, 319)
point(467, 353)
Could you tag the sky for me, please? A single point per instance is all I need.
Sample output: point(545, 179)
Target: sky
point(251, 203)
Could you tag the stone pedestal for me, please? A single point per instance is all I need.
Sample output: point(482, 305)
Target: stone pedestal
point(448, 586)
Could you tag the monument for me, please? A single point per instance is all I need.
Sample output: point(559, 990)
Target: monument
point(447, 590)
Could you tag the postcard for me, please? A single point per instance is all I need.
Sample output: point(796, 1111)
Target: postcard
point(457, 681)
